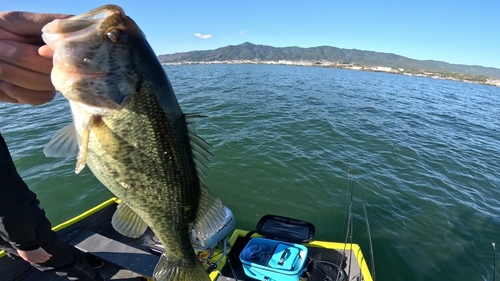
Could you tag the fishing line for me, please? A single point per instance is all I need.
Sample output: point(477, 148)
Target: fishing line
point(350, 224)
point(369, 233)
point(345, 223)
point(350, 241)
point(346, 212)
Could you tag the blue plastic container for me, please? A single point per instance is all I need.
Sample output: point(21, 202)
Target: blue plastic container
point(272, 260)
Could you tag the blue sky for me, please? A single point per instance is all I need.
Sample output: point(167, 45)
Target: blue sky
point(463, 32)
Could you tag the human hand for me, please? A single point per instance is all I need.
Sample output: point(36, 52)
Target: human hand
point(24, 65)
point(35, 256)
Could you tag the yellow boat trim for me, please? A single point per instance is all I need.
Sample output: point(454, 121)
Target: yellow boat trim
point(87, 213)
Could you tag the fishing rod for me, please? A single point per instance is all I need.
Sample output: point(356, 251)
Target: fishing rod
point(350, 226)
point(232, 269)
point(369, 234)
point(494, 260)
point(349, 231)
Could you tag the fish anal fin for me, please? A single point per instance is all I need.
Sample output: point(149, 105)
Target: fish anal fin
point(210, 216)
point(126, 222)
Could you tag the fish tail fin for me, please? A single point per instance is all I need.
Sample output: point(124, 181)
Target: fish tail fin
point(169, 268)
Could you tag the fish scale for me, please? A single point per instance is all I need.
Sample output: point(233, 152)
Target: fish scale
point(167, 163)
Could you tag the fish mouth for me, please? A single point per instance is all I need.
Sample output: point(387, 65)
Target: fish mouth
point(78, 25)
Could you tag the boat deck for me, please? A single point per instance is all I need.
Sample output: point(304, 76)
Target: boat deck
point(128, 259)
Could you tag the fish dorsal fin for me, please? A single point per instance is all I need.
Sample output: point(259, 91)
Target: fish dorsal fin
point(211, 214)
point(191, 118)
point(200, 148)
point(63, 144)
point(126, 222)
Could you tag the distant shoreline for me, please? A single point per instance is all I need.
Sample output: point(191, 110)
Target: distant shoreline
point(443, 75)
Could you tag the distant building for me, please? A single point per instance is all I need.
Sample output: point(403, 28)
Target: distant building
point(382, 68)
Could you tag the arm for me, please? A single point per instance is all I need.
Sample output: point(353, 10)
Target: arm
point(16, 219)
point(24, 65)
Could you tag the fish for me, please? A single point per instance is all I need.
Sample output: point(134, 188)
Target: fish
point(129, 129)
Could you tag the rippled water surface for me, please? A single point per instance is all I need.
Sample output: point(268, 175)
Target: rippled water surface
point(424, 152)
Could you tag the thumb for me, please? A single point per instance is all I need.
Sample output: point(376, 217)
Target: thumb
point(26, 27)
point(45, 252)
point(46, 52)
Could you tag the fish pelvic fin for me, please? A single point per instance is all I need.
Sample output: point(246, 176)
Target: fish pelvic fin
point(172, 269)
point(63, 144)
point(211, 214)
point(126, 222)
point(81, 159)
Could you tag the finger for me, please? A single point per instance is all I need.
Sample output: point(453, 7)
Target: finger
point(44, 259)
point(46, 52)
point(26, 27)
point(39, 261)
point(6, 98)
point(45, 254)
point(15, 94)
point(25, 78)
point(25, 56)
point(7, 35)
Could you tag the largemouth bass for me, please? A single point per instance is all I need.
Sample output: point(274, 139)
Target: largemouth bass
point(131, 132)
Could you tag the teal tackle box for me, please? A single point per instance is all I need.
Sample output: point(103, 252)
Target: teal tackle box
point(273, 260)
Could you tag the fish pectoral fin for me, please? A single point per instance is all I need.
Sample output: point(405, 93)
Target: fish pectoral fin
point(63, 144)
point(211, 214)
point(126, 222)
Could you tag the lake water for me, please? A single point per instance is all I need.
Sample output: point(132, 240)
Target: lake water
point(424, 153)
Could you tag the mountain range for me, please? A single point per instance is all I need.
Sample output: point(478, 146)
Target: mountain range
point(249, 51)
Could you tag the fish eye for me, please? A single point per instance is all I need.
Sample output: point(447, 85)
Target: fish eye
point(113, 35)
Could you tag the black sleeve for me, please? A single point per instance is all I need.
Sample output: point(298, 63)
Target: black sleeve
point(16, 203)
